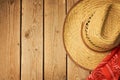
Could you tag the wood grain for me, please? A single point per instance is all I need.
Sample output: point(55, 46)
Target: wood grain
point(55, 55)
point(9, 39)
point(32, 40)
point(74, 71)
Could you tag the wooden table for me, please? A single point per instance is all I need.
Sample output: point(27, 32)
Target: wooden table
point(31, 46)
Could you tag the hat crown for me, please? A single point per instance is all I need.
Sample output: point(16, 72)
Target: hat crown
point(102, 28)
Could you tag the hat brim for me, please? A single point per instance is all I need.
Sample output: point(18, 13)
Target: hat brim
point(72, 36)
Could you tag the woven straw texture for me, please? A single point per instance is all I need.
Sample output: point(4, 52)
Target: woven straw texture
point(91, 30)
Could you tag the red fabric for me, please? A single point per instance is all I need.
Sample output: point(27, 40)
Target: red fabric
point(109, 68)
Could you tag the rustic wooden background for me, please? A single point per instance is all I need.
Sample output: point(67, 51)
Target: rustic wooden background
point(31, 46)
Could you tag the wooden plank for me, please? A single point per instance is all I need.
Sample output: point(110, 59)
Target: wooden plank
point(9, 39)
point(55, 55)
point(74, 71)
point(32, 40)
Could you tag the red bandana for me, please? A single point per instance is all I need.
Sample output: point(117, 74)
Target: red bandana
point(109, 68)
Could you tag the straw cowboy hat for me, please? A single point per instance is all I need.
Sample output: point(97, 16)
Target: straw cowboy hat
point(91, 31)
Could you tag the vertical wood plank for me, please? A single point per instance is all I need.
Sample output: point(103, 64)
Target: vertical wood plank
point(32, 39)
point(55, 55)
point(74, 71)
point(9, 39)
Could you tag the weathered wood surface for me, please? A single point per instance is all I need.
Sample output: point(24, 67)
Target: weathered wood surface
point(9, 40)
point(31, 44)
point(32, 40)
point(55, 55)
